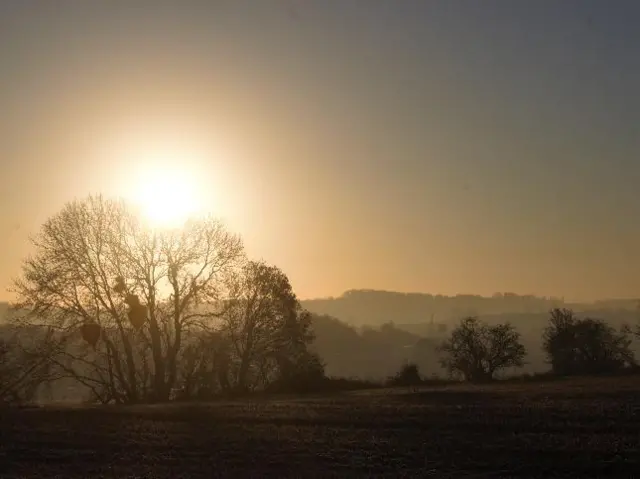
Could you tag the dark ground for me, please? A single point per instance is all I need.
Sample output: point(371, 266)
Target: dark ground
point(576, 428)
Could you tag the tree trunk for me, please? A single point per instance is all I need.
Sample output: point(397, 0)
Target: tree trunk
point(159, 392)
point(172, 360)
point(245, 361)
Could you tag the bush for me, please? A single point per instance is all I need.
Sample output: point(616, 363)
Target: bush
point(409, 375)
point(306, 375)
point(22, 370)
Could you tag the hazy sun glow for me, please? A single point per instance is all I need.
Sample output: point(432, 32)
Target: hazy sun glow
point(168, 197)
point(168, 182)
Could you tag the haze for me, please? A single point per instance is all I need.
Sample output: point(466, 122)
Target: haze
point(446, 147)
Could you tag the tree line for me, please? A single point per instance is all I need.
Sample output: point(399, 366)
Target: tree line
point(138, 315)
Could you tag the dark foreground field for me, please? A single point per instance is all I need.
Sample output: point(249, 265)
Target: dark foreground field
point(578, 428)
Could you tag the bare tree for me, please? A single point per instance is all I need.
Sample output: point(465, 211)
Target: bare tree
point(132, 293)
point(265, 325)
point(477, 351)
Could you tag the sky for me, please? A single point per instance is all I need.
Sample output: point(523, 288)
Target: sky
point(430, 146)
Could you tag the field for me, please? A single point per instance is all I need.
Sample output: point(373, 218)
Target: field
point(572, 428)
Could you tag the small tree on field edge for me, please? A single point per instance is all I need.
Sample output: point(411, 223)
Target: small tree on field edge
point(476, 351)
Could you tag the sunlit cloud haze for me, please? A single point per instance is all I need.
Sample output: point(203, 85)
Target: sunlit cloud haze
point(436, 146)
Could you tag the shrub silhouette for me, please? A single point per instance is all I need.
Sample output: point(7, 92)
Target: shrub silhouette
point(304, 376)
point(409, 375)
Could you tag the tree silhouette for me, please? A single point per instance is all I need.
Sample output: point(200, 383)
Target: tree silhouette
point(477, 351)
point(94, 263)
point(261, 340)
point(584, 346)
point(266, 326)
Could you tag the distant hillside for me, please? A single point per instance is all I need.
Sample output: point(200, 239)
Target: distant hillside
point(374, 308)
point(371, 307)
point(361, 350)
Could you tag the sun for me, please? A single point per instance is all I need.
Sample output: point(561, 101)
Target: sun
point(168, 176)
point(167, 197)
point(167, 184)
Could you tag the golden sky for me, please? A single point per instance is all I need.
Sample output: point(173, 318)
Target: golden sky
point(444, 149)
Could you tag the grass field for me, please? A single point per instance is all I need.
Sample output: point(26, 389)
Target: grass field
point(572, 428)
